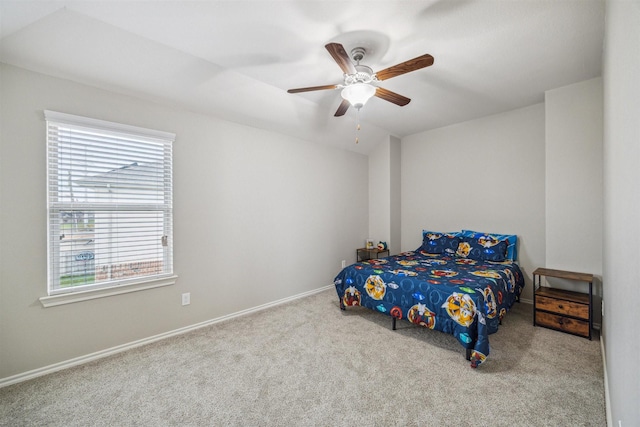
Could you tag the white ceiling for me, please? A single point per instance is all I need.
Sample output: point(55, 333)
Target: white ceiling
point(236, 59)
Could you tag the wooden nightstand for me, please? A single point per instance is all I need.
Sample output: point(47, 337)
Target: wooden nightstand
point(363, 254)
point(563, 310)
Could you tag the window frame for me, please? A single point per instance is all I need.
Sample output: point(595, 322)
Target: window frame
point(57, 295)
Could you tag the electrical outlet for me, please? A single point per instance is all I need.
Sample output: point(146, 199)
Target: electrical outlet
point(344, 263)
point(186, 298)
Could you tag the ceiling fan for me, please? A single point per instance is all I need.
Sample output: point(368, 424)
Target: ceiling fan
point(357, 87)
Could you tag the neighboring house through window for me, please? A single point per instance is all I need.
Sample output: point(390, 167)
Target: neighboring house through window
point(110, 213)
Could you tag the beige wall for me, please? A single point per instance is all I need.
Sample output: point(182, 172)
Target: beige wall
point(255, 213)
point(548, 160)
point(573, 158)
point(621, 271)
point(395, 217)
point(484, 175)
point(384, 194)
point(574, 186)
point(379, 188)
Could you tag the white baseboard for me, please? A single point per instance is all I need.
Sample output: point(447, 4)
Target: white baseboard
point(607, 397)
point(14, 379)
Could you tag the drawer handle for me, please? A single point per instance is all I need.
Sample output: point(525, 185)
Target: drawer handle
point(560, 306)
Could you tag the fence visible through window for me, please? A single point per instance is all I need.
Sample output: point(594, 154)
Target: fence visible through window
point(110, 203)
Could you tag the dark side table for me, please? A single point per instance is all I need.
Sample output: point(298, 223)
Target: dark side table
point(363, 254)
point(563, 310)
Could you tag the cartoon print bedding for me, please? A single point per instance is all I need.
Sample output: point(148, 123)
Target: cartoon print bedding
point(460, 296)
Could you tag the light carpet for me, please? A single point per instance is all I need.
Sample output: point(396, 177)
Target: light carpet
point(307, 363)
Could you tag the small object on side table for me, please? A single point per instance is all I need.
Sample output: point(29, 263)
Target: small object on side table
point(560, 309)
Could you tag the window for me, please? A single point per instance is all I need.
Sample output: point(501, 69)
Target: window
point(109, 204)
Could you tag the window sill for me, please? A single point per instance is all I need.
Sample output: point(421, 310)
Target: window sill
point(72, 297)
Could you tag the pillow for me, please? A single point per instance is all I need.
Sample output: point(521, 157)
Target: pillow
point(512, 241)
point(434, 242)
point(447, 233)
point(484, 248)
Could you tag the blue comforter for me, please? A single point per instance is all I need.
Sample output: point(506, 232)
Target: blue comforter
point(459, 296)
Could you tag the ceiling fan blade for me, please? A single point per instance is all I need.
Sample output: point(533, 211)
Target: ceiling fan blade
point(344, 106)
point(405, 67)
point(312, 88)
point(340, 56)
point(392, 97)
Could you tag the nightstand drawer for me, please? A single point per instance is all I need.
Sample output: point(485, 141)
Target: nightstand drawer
point(562, 307)
point(566, 324)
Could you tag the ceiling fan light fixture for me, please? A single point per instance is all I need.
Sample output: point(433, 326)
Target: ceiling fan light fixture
point(358, 94)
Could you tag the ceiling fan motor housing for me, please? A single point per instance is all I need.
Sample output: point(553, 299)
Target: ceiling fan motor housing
point(363, 74)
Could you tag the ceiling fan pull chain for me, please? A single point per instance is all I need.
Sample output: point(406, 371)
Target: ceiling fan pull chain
point(358, 123)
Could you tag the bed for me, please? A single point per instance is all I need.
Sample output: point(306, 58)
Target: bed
point(461, 283)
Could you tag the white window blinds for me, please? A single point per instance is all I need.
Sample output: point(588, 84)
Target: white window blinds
point(109, 203)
